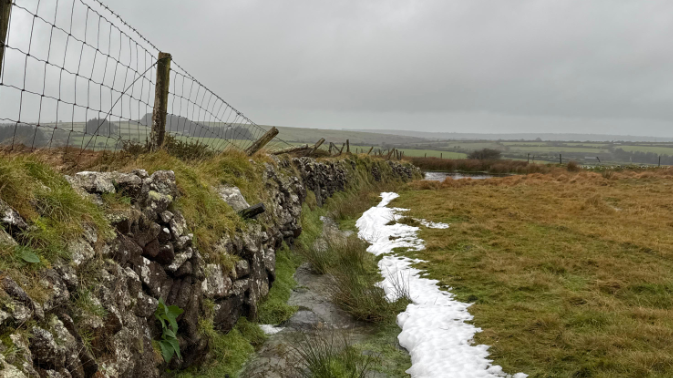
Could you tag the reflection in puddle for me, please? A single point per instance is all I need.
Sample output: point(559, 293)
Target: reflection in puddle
point(440, 176)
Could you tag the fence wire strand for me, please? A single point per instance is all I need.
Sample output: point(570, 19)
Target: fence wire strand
point(77, 77)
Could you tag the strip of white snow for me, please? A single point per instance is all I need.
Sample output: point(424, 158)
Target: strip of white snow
point(434, 328)
point(270, 329)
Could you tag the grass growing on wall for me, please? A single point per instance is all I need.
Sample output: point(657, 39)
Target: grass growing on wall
point(228, 351)
point(56, 212)
point(274, 308)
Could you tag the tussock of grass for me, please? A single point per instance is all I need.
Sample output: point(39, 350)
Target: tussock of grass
point(328, 355)
point(569, 273)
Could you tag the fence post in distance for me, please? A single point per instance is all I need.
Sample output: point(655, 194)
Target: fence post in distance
point(160, 101)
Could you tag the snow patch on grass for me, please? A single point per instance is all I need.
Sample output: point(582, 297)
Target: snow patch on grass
point(434, 327)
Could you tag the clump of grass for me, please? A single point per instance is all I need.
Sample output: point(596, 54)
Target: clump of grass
point(355, 278)
point(330, 355)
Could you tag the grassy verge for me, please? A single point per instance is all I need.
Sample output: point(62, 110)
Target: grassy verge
point(569, 273)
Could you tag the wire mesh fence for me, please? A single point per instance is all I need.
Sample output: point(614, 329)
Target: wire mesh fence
point(74, 76)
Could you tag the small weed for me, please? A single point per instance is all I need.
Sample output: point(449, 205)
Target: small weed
point(167, 315)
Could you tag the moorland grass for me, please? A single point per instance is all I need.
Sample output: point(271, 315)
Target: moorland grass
point(570, 273)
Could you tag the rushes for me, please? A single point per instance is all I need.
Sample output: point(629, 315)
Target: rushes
point(329, 355)
point(356, 281)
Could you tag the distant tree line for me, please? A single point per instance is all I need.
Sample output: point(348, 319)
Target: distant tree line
point(485, 154)
point(102, 127)
point(22, 134)
point(184, 126)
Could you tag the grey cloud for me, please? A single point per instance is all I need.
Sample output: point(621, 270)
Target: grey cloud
point(459, 65)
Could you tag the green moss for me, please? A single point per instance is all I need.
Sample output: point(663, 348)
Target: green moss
point(274, 308)
point(229, 352)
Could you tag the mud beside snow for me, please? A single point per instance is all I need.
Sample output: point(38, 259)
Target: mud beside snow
point(434, 327)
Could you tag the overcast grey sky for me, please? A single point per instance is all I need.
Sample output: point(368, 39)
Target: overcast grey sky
point(581, 66)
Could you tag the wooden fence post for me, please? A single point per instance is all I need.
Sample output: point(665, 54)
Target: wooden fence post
point(261, 142)
point(348, 146)
point(560, 159)
point(370, 150)
point(160, 101)
point(5, 10)
point(342, 148)
point(316, 146)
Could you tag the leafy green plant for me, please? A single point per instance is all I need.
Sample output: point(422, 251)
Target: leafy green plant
point(167, 315)
point(27, 254)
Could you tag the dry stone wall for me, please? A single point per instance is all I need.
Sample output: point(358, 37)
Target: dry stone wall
point(106, 329)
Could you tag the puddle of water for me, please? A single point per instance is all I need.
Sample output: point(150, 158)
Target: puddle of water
point(440, 176)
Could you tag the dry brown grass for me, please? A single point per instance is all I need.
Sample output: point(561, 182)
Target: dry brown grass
point(571, 273)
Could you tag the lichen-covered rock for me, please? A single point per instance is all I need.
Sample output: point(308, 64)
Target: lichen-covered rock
point(57, 293)
point(216, 285)
point(10, 219)
point(81, 251)
point(232, 196)
point(6, 239)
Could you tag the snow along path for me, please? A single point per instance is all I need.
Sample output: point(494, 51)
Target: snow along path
point(434, 328)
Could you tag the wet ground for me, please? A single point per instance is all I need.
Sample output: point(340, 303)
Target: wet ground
point(316, 314)
point(440, 176)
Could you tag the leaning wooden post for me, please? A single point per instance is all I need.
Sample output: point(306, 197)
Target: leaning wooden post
point(390, 154)
point(5, 10)
point(160, 101)
point(316, 146)
point(261, 142)
point(370, 150)
point(290, 150)
point(342, 148)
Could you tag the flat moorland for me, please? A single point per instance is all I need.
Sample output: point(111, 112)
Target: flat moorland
point(571, 274)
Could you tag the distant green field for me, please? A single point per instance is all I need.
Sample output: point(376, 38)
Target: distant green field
point(524, 143)
point(433, 153)
point(557, 149)
point(470, 146)
point(657, 150)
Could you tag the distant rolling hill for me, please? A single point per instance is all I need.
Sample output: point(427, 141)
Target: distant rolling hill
point(306, 135)
point(522, 136)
